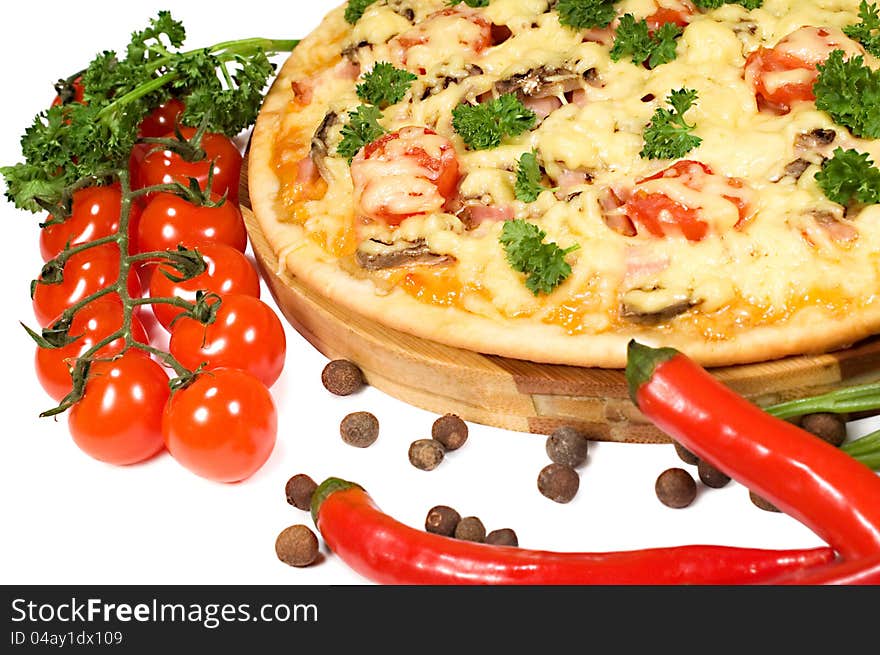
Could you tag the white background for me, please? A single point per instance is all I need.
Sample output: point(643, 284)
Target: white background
point(68, 519)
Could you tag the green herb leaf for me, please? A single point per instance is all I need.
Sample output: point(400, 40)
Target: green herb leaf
point(528, 178)
point(714, 4)
point(585, 14)
point(543, 263)
point(867, 32)
point(362, 128)
point(470, 3)
point(355, 10)
point(669, 136)
point(385, 85)
point(850, 92)
point(485, 125)
point(633, 39)
point(850, 176)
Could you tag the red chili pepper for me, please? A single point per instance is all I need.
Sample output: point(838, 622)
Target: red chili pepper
point(827, 490)
point(386, 551)
point(864, 571)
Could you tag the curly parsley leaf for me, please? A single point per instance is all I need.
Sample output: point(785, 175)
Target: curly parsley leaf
point(634, 39)
point(543, 263)
point(385, 85)
point(362, 128)
point(850, 92)
point(585, 14)
point(470, 3)
point(714, 4)
point(850, 176)
point(528, 184)
point(355, 9)
point(669, 136)
point(867, 31)
point(483, 126)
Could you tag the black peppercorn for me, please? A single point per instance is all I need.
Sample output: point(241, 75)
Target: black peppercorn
point(450, 431)
point(297, 546)
point(766, 505)
point(442, 520)
point(684, 454)
point(299, 490)
point(502, 537)
point(359, 429)
point(470, 528)
point(558, 482)
point(711, 476)
point(567, 446)
point(342, 377)
point(828, 427)
point(426, 454)
point(676, 488)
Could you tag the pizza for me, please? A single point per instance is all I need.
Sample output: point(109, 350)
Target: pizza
point(549, 180)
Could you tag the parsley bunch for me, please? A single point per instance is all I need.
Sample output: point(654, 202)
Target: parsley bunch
point(850, 176)
point(867, 31)
point(668, 136)
point(221, 87)
point(543, 263)
point(470, 3)
point(483, 126)
point(633, 39)
point(585, 14)
point(850, 92)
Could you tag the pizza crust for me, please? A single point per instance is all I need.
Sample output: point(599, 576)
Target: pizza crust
point(808, 331)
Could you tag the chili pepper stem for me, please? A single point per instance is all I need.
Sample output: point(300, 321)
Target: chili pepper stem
point(324, 490)
point(641, 360)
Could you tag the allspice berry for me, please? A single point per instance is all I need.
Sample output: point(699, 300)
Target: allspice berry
point(342, 377)
point(426, 454)
point(297, 546)
point(761, 503)
point(558, 482)
point(826, 426)
point(567, 446)
point(299, 490)
point(711, 476)
point(450, 431)
point(470, 528)
point(685, 455)
point(359, 429)
point(676, 488)
point(502, 537)
point(442, 520)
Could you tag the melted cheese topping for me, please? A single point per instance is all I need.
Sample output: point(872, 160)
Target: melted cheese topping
point(747, 273)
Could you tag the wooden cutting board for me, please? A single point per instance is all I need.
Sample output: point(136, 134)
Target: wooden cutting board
point(519, 395)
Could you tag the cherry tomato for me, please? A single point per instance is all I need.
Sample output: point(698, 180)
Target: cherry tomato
point(246, 334)
point(405, 173)
point(169, 220)
point(119, 418)
point(95, 215)
point(150, 167)
point(223, 426)
point(92, 324)
point(85, 273)
point(162, 119)
point(78, 94)
point(228, 272)
point(664, 216)
point(680, 13)
point(786, 73)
